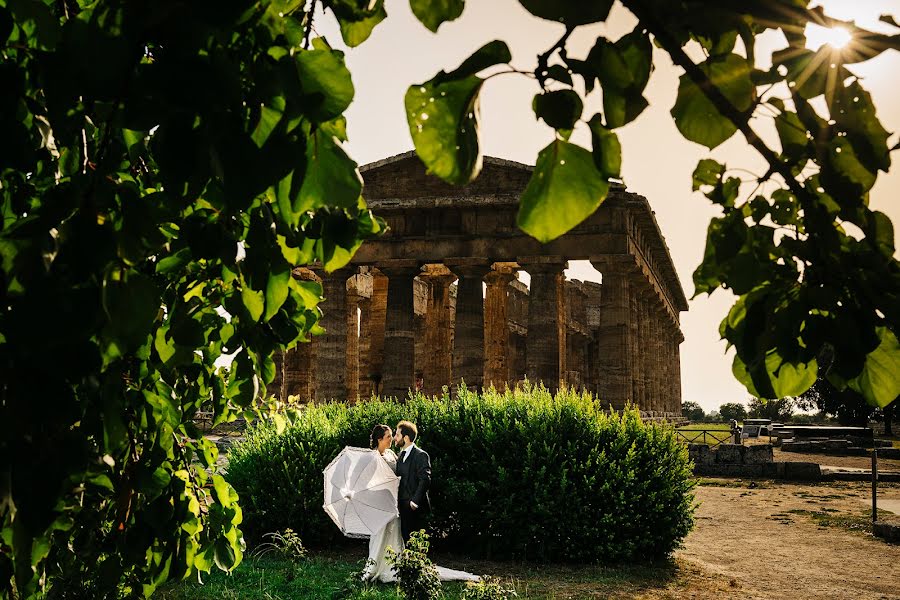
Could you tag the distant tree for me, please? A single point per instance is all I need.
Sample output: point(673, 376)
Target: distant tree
point(776, 410)
point(692, 411)
point(714, 417)
point(733, 410)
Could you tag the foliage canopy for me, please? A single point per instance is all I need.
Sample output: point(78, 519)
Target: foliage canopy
point(164, 165)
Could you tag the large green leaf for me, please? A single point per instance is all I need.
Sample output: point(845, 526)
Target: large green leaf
point(774, 377)
point(879, 381)
point(253, 300)
point(565, 189)
point(277, 288)
point(443, 116)
point(325, 81)
point(696, 117)
point(854, 114)
point(443, 122)
point(434, 12)
point(569, 12)
point(332, 177)
point(357, 22)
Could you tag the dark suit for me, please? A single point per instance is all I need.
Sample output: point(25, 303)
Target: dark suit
point(415, 478)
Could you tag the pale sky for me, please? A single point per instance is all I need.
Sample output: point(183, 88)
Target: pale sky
point(657, 161)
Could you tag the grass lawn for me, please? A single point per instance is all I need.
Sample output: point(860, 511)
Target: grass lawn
point(696, 426)
point(325, 576)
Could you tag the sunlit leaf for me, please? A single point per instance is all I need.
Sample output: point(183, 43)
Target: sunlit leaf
point(879, 381)
point(565, 188)
point(432, 13)
point(695, 115)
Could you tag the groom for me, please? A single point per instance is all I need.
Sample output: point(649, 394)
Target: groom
point(414, 469)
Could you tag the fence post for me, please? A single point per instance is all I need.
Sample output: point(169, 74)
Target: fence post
point(874, 481)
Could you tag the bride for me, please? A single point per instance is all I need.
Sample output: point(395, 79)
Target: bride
point(378, 568)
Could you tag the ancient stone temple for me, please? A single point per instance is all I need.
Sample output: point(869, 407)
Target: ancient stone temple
point(436, 300)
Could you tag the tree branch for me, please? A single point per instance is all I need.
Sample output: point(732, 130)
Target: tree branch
point(544, 59)
point(309, 23)
point(714, 95)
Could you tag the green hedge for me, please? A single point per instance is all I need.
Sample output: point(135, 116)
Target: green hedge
point(522, 474)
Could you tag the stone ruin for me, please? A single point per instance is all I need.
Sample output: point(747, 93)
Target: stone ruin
point(436, 300)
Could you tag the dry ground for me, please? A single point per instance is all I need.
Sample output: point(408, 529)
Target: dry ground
point(769, 542)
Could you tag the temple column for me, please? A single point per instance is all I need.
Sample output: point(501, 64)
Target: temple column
point(614, 338)
point(634, 349)
point(657, 365)
point(299, 370)
point(371, 336)
point(468, 337)
point(436, 371)
point(398, 371)
point(496, 329)
point(545, 353)
point(677, 338)
point(333, 345)
point(353, 299)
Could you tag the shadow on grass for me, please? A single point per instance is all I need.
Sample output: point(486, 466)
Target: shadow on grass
point(325, 576)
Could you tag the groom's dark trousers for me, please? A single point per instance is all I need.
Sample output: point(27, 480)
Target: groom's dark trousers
point(415, 479)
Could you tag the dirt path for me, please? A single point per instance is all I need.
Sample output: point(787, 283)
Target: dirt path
point(750, 537)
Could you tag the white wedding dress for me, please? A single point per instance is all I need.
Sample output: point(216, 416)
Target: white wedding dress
point(378, 567)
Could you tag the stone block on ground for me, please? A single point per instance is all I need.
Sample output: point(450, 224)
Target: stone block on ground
point(802, 471)
point(700, 454)
point(758, 454)
point(731, 454)
point(889, 532)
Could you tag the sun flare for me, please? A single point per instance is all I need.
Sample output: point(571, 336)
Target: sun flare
point(818, 36)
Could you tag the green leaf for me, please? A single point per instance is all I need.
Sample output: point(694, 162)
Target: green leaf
point(493, 53)
point(696, 117)
point(569, 12)
point(443, 116)
point(357, 28)
point(606, 149)
point(326, 84)
point(708, 172)
point(332, 177)
point(432, 13)
point(637, 53)
point(277, 288)
point(792, 134)
point(253, 301)
point(879, 381)
point(310, 292)
point(880, 231)
point(565, 188)
point(843, 174)
point(854, 114)
point(560, 109)
point(174, 262)
point(443, 121)
point(774, 377)
point(269, 117)
point(621, 107)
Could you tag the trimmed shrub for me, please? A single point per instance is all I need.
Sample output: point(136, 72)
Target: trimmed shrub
point(522, 474)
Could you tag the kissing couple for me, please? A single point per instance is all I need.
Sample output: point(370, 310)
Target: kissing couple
point(413, 466)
